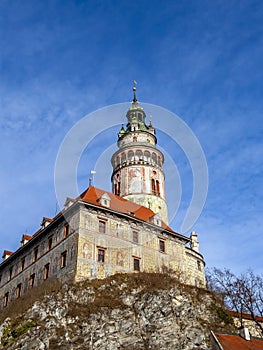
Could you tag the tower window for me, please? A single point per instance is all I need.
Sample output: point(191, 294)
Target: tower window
point(101, 255)
point(154, 158)
point(147, 156)
point(136, 264)
point(102, 226)
point(130, 156)
point(157, 188)
point(198, 265)
point(46, 271)
point(123, 157)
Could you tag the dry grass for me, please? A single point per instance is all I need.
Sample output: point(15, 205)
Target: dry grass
point(21, 305)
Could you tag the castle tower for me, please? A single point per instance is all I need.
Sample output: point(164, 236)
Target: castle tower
point(138, 165)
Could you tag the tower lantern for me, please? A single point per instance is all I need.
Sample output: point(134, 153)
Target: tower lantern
point(138, 165)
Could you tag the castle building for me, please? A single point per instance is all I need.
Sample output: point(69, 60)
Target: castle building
point(99, 233)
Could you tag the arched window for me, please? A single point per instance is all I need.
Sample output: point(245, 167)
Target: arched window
point(159, 161)
point(147, 156)
point(130, 156)
point(157, 188)
point(138, 155)
point(153, 186)
point(134, 139)
point(123, 157)
point(118, 160)
point(154, 158)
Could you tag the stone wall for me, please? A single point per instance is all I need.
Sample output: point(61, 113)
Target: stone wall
point(52, 252)
point(125, 240)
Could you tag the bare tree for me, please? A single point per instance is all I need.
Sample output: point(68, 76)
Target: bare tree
point(243, 293)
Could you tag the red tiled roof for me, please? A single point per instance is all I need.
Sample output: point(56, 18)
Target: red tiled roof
point(93, 194)
point(245, 316)
point(235, 342)
point(27, 237)
point(7, 252)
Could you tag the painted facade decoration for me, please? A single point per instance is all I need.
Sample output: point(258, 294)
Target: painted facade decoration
point(99, 233)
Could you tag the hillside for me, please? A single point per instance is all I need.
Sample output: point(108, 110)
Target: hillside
point(137, 311)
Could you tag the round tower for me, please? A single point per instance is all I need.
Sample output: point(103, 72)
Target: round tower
point(138, 165)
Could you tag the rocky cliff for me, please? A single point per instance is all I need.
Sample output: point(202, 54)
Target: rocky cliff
point(138, 311)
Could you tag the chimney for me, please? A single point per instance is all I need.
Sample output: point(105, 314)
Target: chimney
point(244, 333)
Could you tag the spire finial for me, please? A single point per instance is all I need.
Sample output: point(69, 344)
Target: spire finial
point(134, 91)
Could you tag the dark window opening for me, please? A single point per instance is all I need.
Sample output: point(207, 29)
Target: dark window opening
point(63, 259)
point(136, 264)
point(6, 297)
point(36, 254)
point(66, 230)
point(23, 264)
point(18, 290)
point(102, 226)
point(32, 280)
point(101, 255)
point(50, 243)
point(162, 246)
point(46, 271)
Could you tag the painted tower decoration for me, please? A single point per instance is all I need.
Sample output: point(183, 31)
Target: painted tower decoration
point(138, 165)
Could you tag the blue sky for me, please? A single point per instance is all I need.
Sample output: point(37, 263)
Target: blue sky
point(202, 60)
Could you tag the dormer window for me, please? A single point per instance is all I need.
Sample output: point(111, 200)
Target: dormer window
point(156, 220)
point(45, 222)
point(105, 200)
point(69, 201)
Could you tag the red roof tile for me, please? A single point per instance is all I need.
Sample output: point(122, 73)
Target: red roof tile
point(7, 252)
point(93, 194)
point(235, 342)
point(26, 237)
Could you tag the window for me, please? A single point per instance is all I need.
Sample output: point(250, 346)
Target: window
point(101, 255)
point(32, 280)
point(102, 226)
point(136, 264)
point(135, 236)
point(6, 299)
point(161, 245)
point(10, 273)
point(198, 265)
point(23, 264)
point(50, 243)
point(66, 230)
point(46, 271)
point(36, 254)
point(63, 259)
point(18, 290)
point(157, 188)
point(153, 186)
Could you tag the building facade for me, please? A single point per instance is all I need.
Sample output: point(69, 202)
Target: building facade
point(100, 233)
